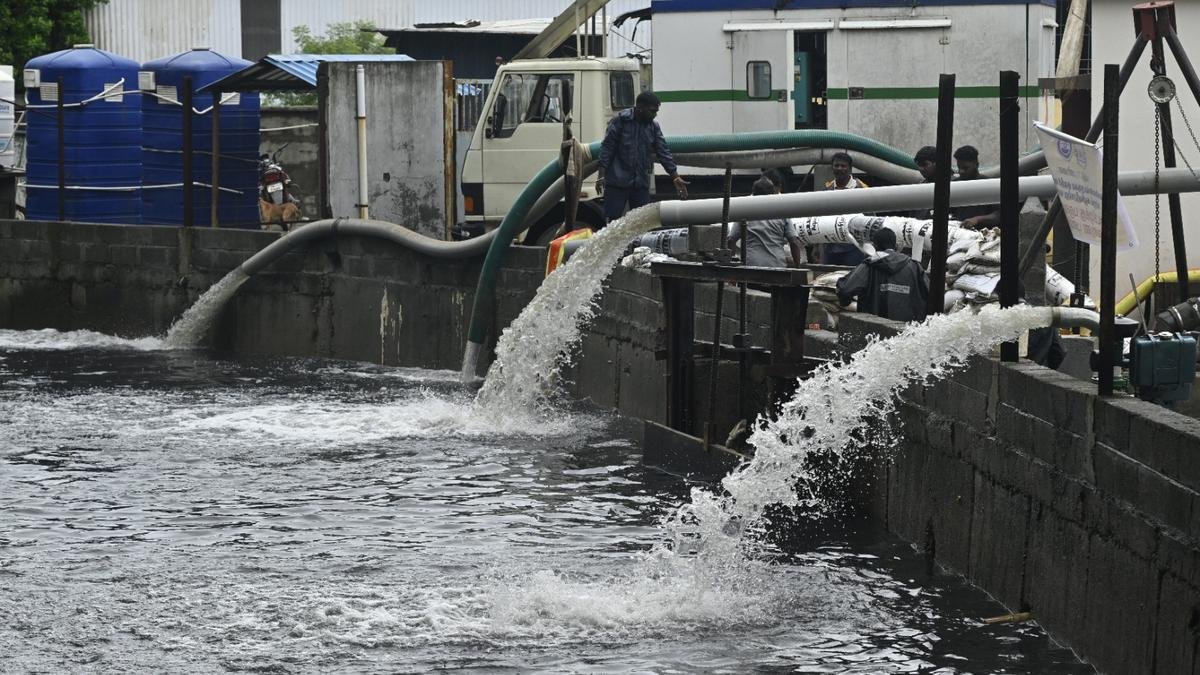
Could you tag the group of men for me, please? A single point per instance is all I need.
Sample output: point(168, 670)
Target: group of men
point(888, 283)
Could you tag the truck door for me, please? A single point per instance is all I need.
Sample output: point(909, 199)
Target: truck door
point(522, 134)
point(762, 78)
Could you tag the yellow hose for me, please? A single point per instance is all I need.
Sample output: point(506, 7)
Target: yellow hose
point(1129, 302)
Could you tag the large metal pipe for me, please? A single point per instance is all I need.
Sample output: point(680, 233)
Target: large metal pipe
point(897, 198)
point(360, 81)
point(767, 159)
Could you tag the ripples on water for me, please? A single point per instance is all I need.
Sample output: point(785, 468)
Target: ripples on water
point(166, 510)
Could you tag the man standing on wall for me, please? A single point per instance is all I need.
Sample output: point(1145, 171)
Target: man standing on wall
point(631, 144)
point(843, 179)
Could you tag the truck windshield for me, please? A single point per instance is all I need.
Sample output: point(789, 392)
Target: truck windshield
point(620, 90)
point(531, 98)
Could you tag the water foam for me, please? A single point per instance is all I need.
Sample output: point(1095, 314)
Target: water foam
point(190, 329)
point(49, 339)
point(536, 347)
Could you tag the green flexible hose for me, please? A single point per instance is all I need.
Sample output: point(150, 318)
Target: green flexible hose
point(482, 309)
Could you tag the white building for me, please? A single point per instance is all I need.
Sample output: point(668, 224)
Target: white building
point(148, 29)
point(868, 67)
point(1112, 37)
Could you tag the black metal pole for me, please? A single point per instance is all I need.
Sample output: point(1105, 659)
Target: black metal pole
point(1010, 201)
point(1178, 240)
point(186, 100)
point(714, 378)
point(941, 195)
point(1108, 229)
point(62, 152)
point(215, 179)
point(1038, 244)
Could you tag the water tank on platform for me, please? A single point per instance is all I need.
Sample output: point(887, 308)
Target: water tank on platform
point(102, 138)
point(162, 159)
point(8, 93)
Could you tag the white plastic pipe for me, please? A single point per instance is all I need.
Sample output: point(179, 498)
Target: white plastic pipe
point(360, 80)
point(897, 198)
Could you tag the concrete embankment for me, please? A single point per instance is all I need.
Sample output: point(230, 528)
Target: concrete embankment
point(1085, 511)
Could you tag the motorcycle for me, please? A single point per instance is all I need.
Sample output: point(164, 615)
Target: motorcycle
point(278, 203)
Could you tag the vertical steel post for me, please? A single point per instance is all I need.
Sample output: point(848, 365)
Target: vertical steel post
point(185, 97)
point(215, 198)
point(62, 152)
point(1166, 28)
point(1010, 201)
point(1108, 229)
point(714, 376)
point(941, 195)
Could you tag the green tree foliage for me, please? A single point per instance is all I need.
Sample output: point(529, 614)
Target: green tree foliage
point(357, 37)
point(29, 28)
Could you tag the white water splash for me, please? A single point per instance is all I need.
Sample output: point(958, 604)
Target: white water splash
point(49, 339)
point(838, 404)
point(190, 329)
point(711, 554)
point(536, 347)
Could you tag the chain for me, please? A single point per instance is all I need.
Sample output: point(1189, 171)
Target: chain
point(1188, 124)
point(1157, 194)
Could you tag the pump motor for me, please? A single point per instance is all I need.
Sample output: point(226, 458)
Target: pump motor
point(1162, 367)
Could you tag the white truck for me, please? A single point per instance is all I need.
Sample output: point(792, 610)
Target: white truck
point(521, 129)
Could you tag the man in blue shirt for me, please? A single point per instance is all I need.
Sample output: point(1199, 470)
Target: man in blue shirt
point(631, 144)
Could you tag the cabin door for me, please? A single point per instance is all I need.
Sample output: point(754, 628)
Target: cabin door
point(761, 78)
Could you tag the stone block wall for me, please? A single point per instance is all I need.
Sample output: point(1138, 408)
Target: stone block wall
point(1083, 510)
point(350, 297)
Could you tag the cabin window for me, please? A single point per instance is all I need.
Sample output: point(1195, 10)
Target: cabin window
point(758, 79)
point(621, 92)
point(531, 98)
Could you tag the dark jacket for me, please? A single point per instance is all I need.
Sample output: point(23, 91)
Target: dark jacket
point(629, 149)
point(892, 286)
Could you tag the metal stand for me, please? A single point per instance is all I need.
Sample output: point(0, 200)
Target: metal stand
point(789, 308)
point(1154, 23)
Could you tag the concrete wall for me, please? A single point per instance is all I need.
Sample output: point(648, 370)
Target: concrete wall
point(346, 298)
point(301, 158)
point(410, 143)
point(1083, 510)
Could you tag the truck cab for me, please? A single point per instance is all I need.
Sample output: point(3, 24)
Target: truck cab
point(520, 131)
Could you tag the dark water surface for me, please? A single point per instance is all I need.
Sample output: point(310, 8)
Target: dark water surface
point(172, 511)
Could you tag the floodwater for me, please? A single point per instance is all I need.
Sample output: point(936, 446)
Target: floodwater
point(174, 511)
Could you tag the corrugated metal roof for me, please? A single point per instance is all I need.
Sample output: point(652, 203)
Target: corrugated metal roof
point(290, 72)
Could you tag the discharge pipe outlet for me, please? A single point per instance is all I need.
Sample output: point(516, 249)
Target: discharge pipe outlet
point(360, 81)
point(1074, 317)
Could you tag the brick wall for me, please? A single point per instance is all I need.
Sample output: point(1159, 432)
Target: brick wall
point(1083, 510)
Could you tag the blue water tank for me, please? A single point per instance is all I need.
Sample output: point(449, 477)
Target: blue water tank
point(102, 139)
point(162, 158)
